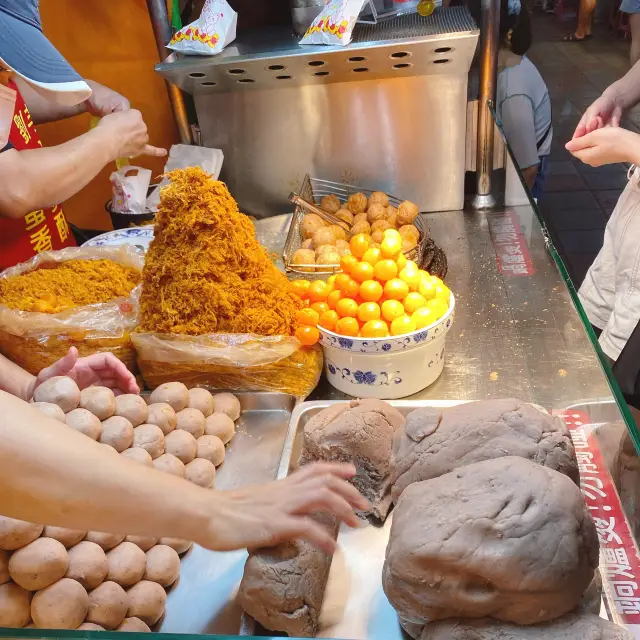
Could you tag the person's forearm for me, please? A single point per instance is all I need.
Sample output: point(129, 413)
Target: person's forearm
point(50, 474)
point(43, 110)
point(627, 89)
point(530, 174)
point(37, 178)
point(15, 380)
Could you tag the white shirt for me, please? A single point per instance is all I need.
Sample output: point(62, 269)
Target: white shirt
point(524, 109)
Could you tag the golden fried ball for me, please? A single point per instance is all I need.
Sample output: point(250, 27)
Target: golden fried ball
point(307, 244)
point(360, 217)
point(378, 197)
point(376, 212)
point(342, 246)
point(330, 204)
point(303, 256)
point(357, 203)
point(326, 235)
point(392, 216)
point(345, 215)
point(328, 258)
point(361, 227)
point(338, 232)
point(380, 225)
point(407, 213)
point(310, 224)
point(409, 232)
point(408, 245)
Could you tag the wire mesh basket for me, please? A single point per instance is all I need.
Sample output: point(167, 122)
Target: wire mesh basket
point(313, 190)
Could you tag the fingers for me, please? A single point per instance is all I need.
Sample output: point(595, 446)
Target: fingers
point(326, 501)
point(110, 372)
point(615, 117)
point(581, 129)
point(337, 469)
point(60, 368)
point(307, 529)
point(157, 152)
point(577, 144)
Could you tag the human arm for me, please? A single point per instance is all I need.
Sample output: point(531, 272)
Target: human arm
point(614, 101)
point(51, 474)
point(530, 174)
point(606, 146)
point(102, 102)
point(36, 178)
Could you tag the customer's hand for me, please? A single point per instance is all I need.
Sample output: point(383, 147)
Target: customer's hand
point(606, 111)
point(606, 146)
point(104, 101)
point(126, 133)
point(266, 515)
point(102, 369)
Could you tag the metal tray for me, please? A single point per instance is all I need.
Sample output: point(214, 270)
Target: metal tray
point(203, 601)
point(355, 605)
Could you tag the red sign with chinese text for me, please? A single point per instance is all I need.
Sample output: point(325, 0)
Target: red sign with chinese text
point(512, 253)
point(38, 231)
point(619, 560)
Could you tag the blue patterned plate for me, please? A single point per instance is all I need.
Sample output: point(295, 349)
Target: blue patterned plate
point(139, 237)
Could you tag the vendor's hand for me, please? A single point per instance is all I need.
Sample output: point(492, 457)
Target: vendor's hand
point(266, 515)
point(102, 369)
point(127, 134)
point(606, 111)
point(606, 146)
point(104, 101)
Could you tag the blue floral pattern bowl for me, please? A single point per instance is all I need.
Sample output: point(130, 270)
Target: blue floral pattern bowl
point(386, 368)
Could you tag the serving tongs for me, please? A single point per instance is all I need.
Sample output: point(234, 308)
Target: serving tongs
point(309, 207)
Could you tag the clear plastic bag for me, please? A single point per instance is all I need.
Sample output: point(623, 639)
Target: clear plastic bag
point(36, 340)
point(242, 362)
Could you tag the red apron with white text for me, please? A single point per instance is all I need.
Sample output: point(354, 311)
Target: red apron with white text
point(38, 231)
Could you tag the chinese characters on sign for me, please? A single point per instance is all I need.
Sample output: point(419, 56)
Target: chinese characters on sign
point(619, 562)
point(511, 249)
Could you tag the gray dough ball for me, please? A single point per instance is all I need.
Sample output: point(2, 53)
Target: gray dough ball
point(227, 403)
point(202, 400)
point(141, 456)
point(99, 400)
point(126, 564)
point(87, 564)
point(163, 565)
point(210, 448)
point(39, 564)
point(89, 626)
point(63, 605)
point(201, 472)
point(181, 444)
point(59, 390)
point(84, 422)
point(147, 601)
point(168, 463)
point(131, 407)
point(173, 393)
point(17, 533)
point(68, 537)
point(221, 426)
point(105, 541)
point(145, 543)
point(150, 438)
point(191, 420)
point(162, 415)
point(50, 409)
point(15, 606)
point(177, 544)
point(134, 625)
point(4, 567)
point(108, 605)
point(117, 432)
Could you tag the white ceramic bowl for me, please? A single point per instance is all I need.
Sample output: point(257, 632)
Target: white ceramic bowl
point(386, 368)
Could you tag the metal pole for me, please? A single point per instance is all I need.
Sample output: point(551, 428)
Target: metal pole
point(162, 33)
point(489, 35)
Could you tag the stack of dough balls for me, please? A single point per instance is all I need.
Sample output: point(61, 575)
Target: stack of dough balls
point(55, 578)
point(323, 243)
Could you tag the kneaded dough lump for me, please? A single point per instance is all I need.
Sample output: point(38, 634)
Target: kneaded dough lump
point(181, 444)
point(117, 432)
point(127, 563)
point(4, 567)
point(168, 463)
point(175, 394)
point(59, 390)
point(147, 601)
point(68, 537)
point(39, 564)
point(87, 564)
point(131, 407)
point(359, 432)
point(134, 625)
point(191, 420)
point(201, 472)
point(504, 538)
point(63, 605)
point(108, 605)
point(202, 400)
point(227, 403)
point(141, 456)
point(17, 533)
point(75, 283)
point(105, 541)
point(210, 448)
point(205, 272)
point(437, 441)
point(84, 422)
point(221, 426)
point(99, 400)
point(50, 409)
point(144, 542)
point(163, 565)
point(15, 606)
point(149, 438)
point(162, 415)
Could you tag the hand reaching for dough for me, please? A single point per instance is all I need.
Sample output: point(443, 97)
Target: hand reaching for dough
point(102, 369)
point(266, 515)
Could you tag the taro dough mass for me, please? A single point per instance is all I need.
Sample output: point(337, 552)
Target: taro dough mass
point(168, 463)
point(117, 432)
point(15, 606)
point(283, 587)
point(68, 537)
point(126, 564)
point(87, 564)
point(202, 400)
point(131, 407)
point(437, 441)
point(227, 403)
point(182, 445)
point(504, 538)
point(147, 601)
point(63, 605)
point(201, 472)
point(191, 420)
point(574, 626)
point(17, 533)
point(162, 415)
point(173, 393)
point(108, 605)
point(360, 432)
point(39, 564)
point(84, 422)
point(221, 426)
point(99, 400)
point(50, 409)
point(141, 456)
point(59, 390)
point(150, 438)
point(4, 567)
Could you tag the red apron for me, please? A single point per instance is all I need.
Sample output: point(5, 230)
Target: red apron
point(38, 231)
